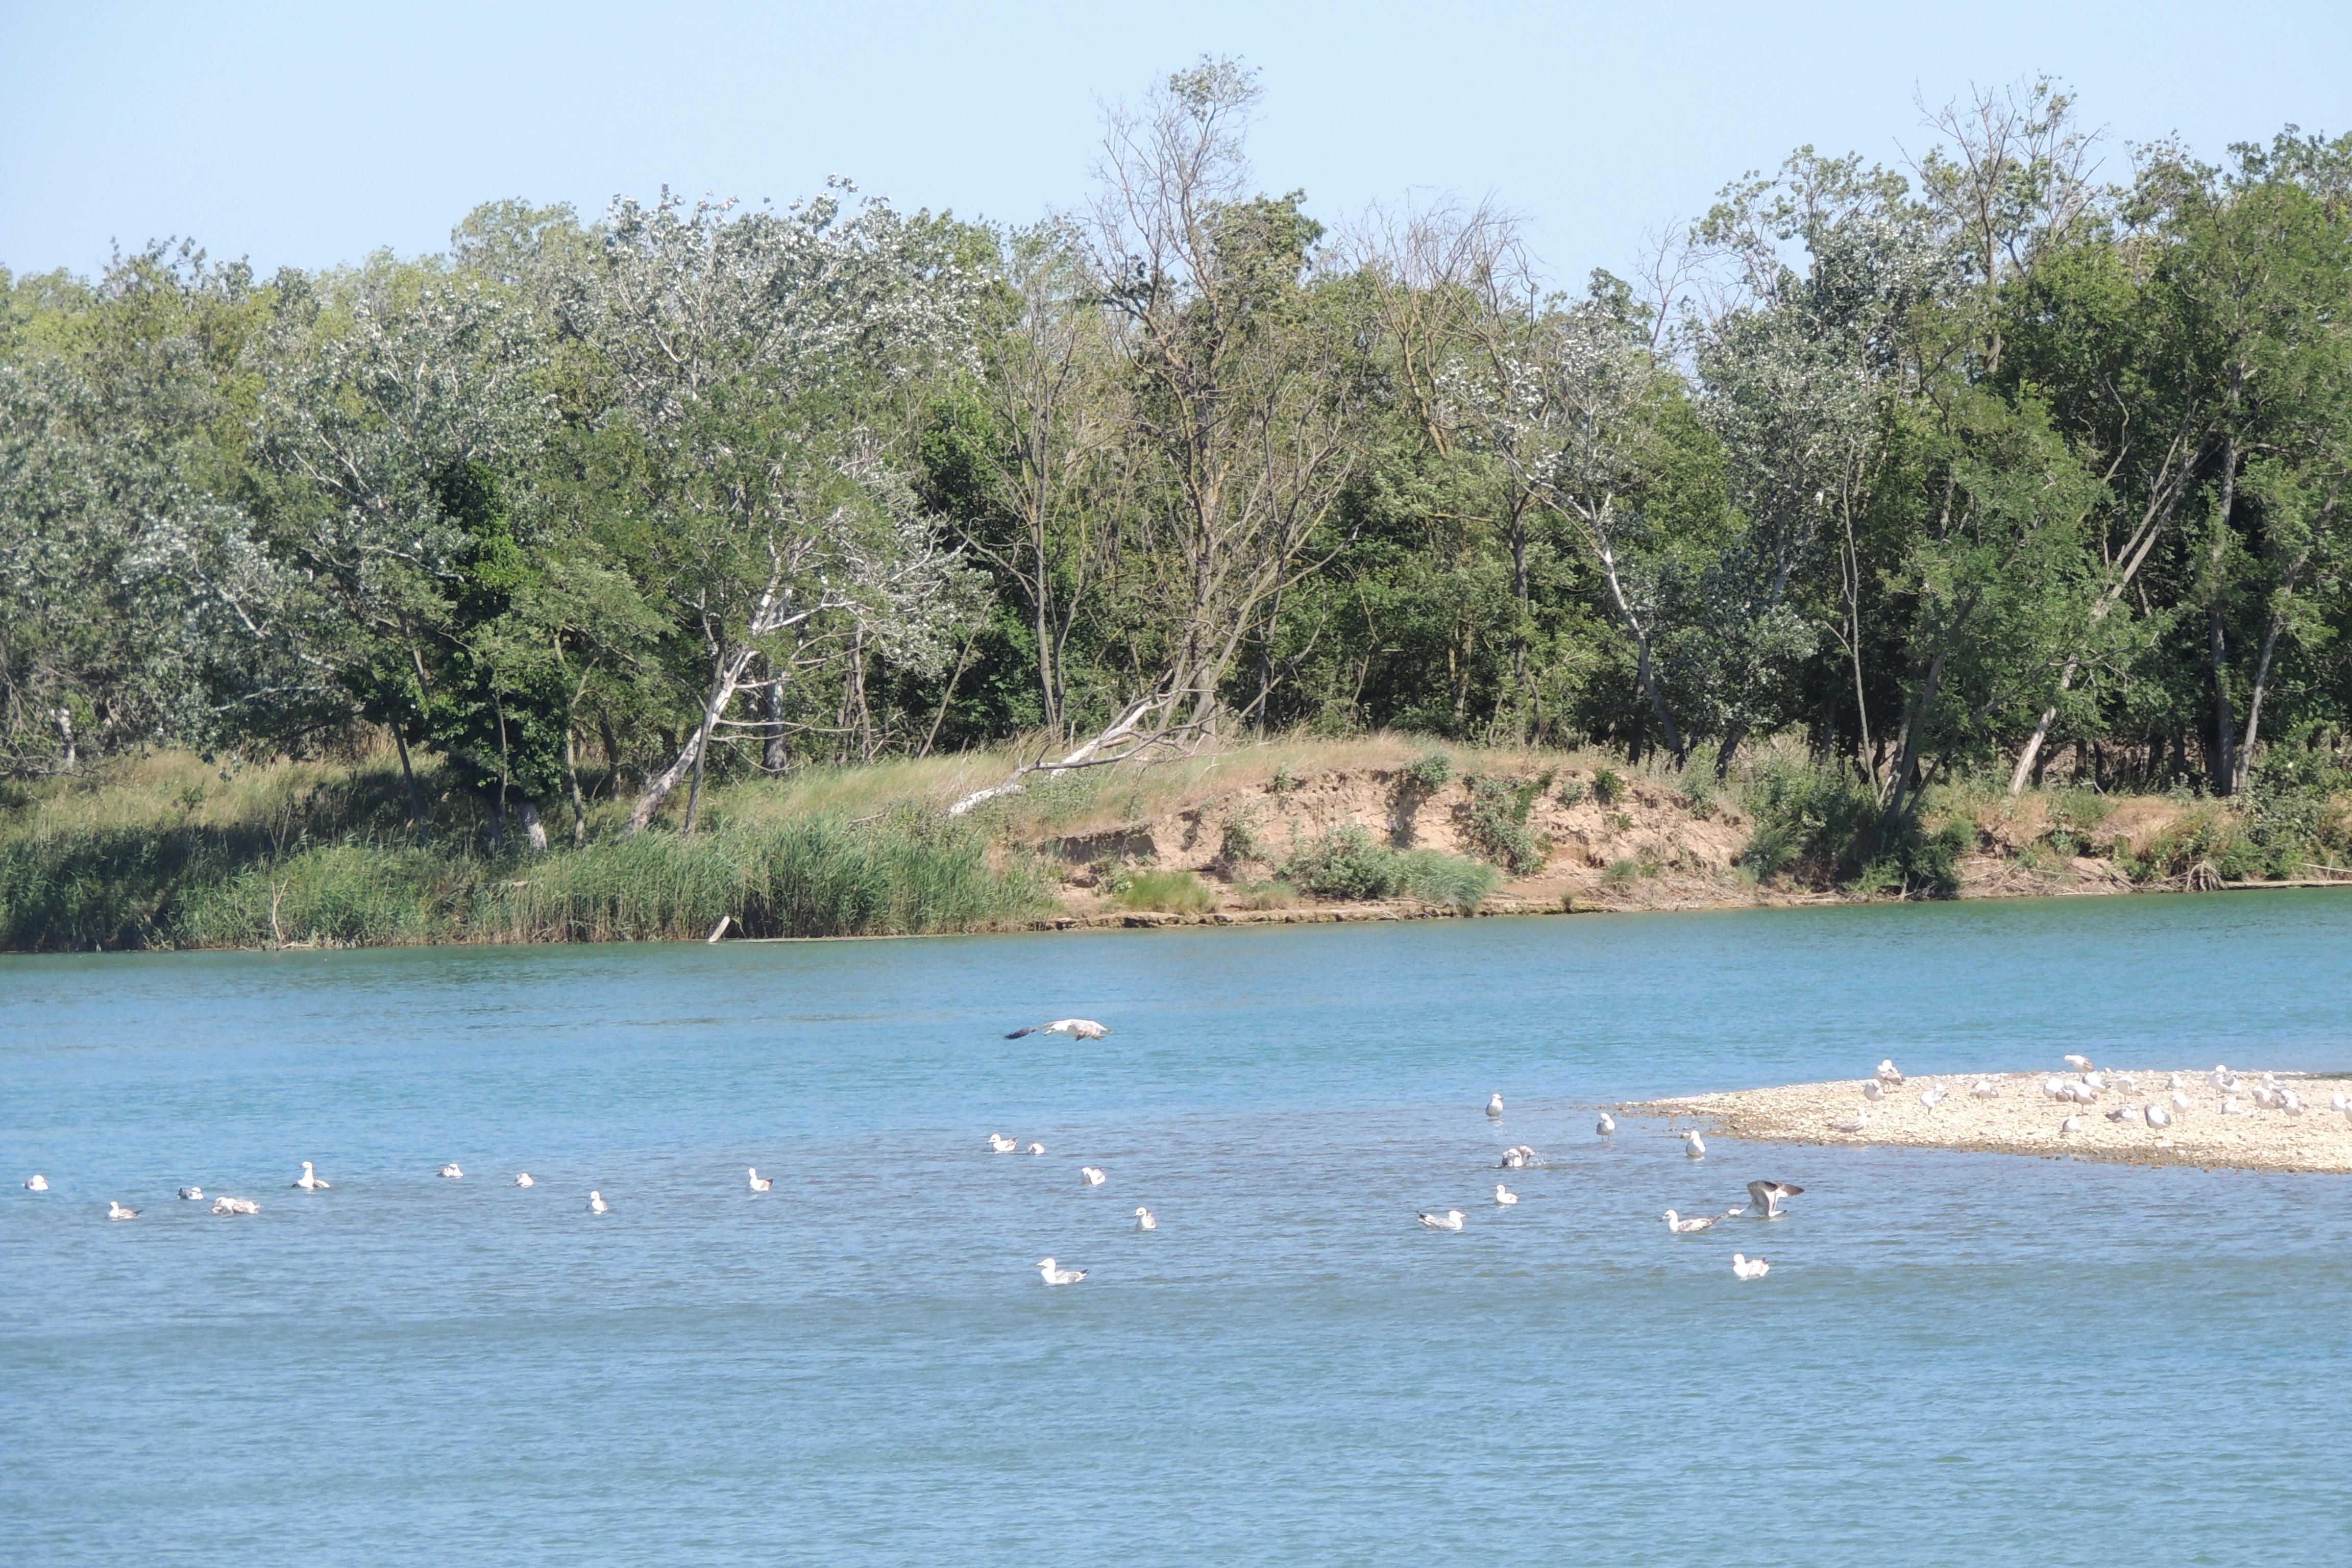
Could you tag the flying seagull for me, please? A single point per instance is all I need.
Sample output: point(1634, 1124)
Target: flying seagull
point(1076, 1028)
point(1767, 1196)
point(1054, 1276)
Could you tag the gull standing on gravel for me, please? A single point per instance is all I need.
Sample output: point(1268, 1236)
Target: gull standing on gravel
point(1076, 1029)
point(2157, 1116)
point(1606, 1125)
point(1054, 1276)
point(760, 1183)
point(37, 1182)
point(1767, 1196)
point(1504, 1196)
point(1854, 1124)
point(1450, 1220)
point(2080, 1064)
point(2229, 1106)
point(1495, 1104)
point(1145, 1219)
point(1874, 1089)
point(1986, 1090)
point(1932, 1096)
point(308, 1180)
point(2073, 1123)
point(2179, 1101)
point(596, 1203)
point(2123, 1113)
point(1694, 1145)
point(116, 1211)
point(1744, 1268)
point(1091, 1175)
point(1887, 1071)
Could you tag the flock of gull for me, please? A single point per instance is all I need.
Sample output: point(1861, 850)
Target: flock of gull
point(2087, 1083)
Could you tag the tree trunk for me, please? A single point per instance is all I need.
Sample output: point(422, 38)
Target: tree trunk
point(534, 832)
point(2225, 722)
point(417, 817)
point(65, 729)
point(726, 679)
point(1732, 736)
point(571, 786)
point(771, 709)
point(1907, 755)
point(2262, 671)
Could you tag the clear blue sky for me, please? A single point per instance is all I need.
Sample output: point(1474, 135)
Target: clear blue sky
point(314, 133)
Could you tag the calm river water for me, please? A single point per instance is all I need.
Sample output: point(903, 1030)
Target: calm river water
point(1956, 1358)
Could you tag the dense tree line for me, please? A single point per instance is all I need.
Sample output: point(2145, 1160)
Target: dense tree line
point(1949, 468)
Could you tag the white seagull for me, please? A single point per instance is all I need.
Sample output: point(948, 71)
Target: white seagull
point(1002, 1144)
point(2054, 1087)
point(1932, 1097)
point(596, 1203)
point(1054, 1276)
point(1745, 1267)
point(522, 1179)
point(1888, 1072)
point(1494, 1105)
point(1036, 1148)
point(2157, 1116)
point(1450, 1220)
point(1697, 1223)
point(2229, 1106)
point(308, 1180)
point(1606, 1125)
point(116, 1211)
point(234, 1206)
point(193, 1195)
point(2175, 1083)
point(2073, 1124)
point(1076, 1028)
point(1145, 1219)
point(1504, 1196)
point(760, 1183)
point(2123, 1113)
point(1768, 1195)
point(449, 1172)
point(1854, 1124)
point(1693, 1144)
point(1091, 1175)
point(2179, 1101)
point(37, 1182)
point(2080, 1064)
point(1985, 1089)
point(1874, 1089)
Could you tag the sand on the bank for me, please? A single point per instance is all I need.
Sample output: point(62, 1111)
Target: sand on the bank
point(2022, 1119)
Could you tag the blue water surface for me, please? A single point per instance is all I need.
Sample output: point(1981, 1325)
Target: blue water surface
point(1956, 1358)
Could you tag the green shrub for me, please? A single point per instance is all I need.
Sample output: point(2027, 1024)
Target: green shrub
point(1608, 786)
point(1437, 878)
point(1346, 863)
point(1496, 823)
point(1623, 873)
point(1821, 825)
point(1241, 845)
point(1571, 792)
point(1170, 892)
point(1429, 771)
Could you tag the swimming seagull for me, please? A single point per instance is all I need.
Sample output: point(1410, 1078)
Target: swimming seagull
point(37, 1182)
point(1036, 1148)
point(1693, 1144)
point(1145, 1219)
point(1504, 1196)
point(596, 1203)
point(450, 1172)
point(1606, 1125)
point(1697, 1223)
point(193, 1195)
point(1091, 1175)
point(1002, 1144)
point(225, 1205)
point(308, 1180)
point(1854, 1124)
point(1887, 1072)
point(1768, 1196)
point(1054, 1276)
point(1450, 1220)
point(116, 1211)
point(1494, 1105)
point(760, 1183)
point(522, 1179)
point(1744, 1268)
point(1076, 1028)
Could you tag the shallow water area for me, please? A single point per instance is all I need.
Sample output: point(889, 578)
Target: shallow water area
point(862, 1364)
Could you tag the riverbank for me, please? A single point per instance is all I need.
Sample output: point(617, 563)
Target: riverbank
point(169, 850)
point(2017, 1118)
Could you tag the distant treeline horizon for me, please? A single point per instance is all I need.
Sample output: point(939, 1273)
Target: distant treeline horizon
point(1945, 468)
